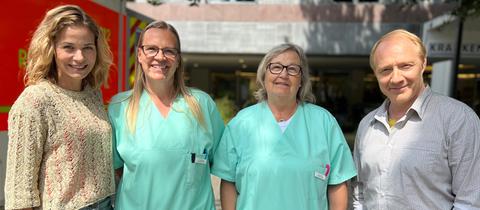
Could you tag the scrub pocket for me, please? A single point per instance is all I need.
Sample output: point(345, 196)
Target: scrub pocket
point(198, 167)
point(319, 176)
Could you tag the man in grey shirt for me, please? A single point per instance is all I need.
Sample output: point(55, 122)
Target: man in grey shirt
point(419, 149)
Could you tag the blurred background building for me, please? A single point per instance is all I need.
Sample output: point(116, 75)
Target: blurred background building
point(224, 40)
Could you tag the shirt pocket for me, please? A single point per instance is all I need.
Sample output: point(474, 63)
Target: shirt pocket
point(318, 176)
point(198, 169)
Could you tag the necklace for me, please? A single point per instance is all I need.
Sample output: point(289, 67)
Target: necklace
point(280, 117)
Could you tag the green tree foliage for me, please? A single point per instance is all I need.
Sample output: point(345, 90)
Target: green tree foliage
point(467, 8)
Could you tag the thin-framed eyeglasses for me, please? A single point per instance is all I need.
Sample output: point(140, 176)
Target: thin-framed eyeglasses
point(152, 51)
point(277, 68)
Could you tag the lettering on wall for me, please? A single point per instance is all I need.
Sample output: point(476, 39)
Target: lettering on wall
point(440, 49)
point(22, 58)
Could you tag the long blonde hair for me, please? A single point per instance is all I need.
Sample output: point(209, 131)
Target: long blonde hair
point(40, 58)
point(179, 86)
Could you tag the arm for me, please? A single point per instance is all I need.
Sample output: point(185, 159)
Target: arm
point(217, 126)
point(114, 115)
point(225, 166)
point(357, 185)
point(464, 160)
point(357, 194)
point(228, 195)
point(118, 174)
point(338, 196)
point(27, 133)
point(342, 168)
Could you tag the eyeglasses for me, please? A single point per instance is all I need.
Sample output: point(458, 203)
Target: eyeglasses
point(277, 68)
point(152, 51)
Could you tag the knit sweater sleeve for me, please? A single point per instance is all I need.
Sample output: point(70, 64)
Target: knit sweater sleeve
point(27, 132)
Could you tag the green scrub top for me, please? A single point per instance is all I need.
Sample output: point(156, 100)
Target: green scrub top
point(290, 170)
point(166, 162)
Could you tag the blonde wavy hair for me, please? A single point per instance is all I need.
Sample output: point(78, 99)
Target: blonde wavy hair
point(41, 52)
point(304, 94)
point(179, 86)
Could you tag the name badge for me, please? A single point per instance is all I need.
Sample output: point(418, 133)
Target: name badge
point(320, 175)
point(200, 160)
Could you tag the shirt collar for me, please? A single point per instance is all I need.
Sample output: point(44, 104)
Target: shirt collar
point(418, 106)
point(420, 103)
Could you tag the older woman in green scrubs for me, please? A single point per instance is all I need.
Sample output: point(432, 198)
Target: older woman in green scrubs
point(165, 133)
point(284, 152)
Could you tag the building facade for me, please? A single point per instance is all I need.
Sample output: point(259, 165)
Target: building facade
point(223, 42)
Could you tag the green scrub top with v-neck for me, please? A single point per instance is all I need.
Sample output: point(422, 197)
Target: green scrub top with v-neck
point(283, 171)
point(166, 161)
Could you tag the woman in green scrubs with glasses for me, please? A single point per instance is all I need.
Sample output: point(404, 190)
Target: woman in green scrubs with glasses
point(284, 152)
point(165, 133)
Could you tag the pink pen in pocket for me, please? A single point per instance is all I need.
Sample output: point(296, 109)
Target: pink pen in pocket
point(327, 171)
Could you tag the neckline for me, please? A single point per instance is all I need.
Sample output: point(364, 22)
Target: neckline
point(156, 109)
point(287, 117)
point(275, 122)
point(71, 93)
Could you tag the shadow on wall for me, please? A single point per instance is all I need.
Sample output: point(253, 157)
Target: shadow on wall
point(375, 19)
point(348, 29)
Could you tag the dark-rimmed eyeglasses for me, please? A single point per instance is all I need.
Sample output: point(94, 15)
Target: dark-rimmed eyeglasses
point(152, 51)
point(277, 68)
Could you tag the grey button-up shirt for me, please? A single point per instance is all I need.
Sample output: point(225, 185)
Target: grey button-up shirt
point(429, 160)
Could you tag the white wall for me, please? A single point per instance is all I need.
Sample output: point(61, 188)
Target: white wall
point(256, 38)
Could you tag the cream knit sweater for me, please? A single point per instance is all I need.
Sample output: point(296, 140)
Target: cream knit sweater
point(59, 149)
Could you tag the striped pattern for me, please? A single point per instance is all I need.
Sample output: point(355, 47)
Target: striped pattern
point(430, 159)
point(136, 26)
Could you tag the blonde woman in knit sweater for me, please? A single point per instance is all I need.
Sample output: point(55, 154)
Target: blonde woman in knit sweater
point(59, 151)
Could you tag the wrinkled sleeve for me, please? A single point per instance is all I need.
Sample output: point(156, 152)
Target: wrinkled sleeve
point(114, 114)
point(27, 133)
point(342, 167)
point(464, 160)
point(225, 158)
point(356, 183)
point(217, 126)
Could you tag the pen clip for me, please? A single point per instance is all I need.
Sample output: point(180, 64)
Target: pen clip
point(192, 157)
point(205, 153)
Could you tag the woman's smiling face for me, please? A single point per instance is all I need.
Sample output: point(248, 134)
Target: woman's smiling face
point(162, 66)
point(75, 55)
point(283, 85)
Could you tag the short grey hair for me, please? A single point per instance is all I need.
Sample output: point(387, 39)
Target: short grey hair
point(304, 94)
